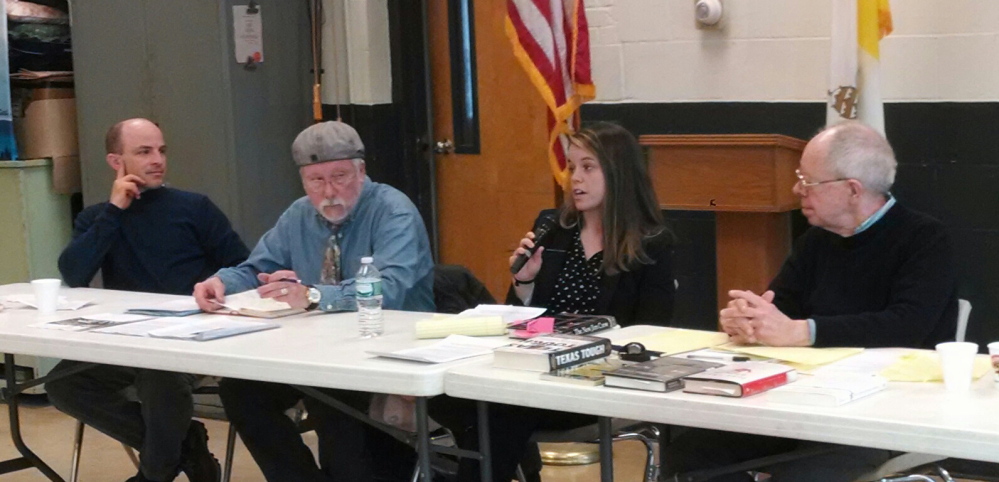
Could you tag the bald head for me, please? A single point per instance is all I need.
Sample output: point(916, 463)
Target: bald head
point(112, 140)
point(136, 147)
point(856, 151)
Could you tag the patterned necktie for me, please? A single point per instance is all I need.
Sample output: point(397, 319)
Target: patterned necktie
point(331, 261)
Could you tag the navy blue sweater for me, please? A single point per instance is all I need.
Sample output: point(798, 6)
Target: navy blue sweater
point(891, 285)
point(165, 242)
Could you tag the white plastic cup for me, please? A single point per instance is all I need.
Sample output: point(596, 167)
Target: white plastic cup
point(994, 354)
point(957, 359)
point(46, 294)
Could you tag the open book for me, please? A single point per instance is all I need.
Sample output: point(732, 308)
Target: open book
point(249, 303)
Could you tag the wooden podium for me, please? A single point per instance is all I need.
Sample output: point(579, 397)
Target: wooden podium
point(746, 179)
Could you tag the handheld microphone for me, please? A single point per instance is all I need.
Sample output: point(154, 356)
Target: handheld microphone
point(546, 224)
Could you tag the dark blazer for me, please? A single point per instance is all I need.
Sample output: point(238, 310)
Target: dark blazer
point(641, 296)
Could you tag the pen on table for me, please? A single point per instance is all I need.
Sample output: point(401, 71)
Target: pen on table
point(731, 358)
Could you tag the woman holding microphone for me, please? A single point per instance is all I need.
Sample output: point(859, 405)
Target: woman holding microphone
point(605, 252)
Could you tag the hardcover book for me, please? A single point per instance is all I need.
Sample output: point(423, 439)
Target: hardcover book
point(588, 374)
point(740, 379)
point(551, 352)
point(573, 324)
point(663, 374)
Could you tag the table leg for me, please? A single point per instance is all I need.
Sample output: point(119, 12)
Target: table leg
point(606, 449)
point(485, 448)
point(423, 440)
point(28, 458)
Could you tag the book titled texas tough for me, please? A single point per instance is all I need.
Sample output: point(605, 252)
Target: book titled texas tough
point(551, 352)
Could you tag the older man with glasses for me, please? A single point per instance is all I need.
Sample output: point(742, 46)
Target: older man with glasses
point(308, 260)
point(869, 273)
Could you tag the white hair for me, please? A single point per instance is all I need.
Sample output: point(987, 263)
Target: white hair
point(857, 151)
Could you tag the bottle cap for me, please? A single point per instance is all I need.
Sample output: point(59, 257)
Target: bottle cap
point(367, 259)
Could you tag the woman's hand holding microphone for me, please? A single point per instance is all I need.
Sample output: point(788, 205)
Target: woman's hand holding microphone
point(526, 274)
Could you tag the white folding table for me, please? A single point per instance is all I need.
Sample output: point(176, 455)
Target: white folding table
point(907, 417)
point(308, 350)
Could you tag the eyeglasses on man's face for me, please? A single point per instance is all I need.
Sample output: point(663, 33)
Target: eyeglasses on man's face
point(805, 183)
point(318, 183)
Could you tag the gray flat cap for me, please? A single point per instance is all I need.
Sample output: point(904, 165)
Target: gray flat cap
point(326, 141)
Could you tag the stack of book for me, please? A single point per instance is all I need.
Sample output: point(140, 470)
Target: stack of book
point(740, 379)
point(590, 374)
point(660, 375)
point(569, 324)
point(545, 353)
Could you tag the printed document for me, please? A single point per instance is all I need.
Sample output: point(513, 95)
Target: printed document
point(509, 313)
point(62, 303)
point(454, 347)
point(88, 322)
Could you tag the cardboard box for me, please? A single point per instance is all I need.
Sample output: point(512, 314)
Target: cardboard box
point(47, 128)
point(66, 174)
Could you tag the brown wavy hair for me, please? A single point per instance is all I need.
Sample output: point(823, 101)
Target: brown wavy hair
point(631, 212)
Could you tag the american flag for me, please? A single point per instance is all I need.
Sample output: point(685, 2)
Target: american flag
point(552, 42)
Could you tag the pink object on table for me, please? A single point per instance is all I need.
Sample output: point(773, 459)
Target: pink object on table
point(537, 326)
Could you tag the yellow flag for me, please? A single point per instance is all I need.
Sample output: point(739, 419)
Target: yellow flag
point(855, 61)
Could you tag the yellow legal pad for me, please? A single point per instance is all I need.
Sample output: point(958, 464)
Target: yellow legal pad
point(924, 366)
point(806, 356)
point(680, 340)
point(441, 327)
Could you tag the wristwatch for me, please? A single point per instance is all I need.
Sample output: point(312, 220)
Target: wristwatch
point(313, 295)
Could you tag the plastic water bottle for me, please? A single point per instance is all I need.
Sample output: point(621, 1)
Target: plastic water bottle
point(368, 287)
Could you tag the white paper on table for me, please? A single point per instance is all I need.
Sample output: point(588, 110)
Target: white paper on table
point(454, 347)
point(182, 304)
point(210, 327)
point(140, 328)
point(113, 318)
point(87, 322)
point(62, 303)
point(69, 324)
point(179, 307)
point(870, 361)
point(509, 313)
point(718, 356)
point(251, 300)
point(247, 34)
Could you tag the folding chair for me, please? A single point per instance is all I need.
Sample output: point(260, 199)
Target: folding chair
point(207, 406)
point(647, 433)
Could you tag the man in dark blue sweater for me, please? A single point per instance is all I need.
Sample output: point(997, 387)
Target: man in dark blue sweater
point(869, 273)
point(150, 238)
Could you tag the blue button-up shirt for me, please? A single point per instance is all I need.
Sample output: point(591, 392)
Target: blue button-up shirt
point(384, 225)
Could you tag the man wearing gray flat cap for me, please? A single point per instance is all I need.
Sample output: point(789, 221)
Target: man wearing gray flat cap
point(307, 260)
